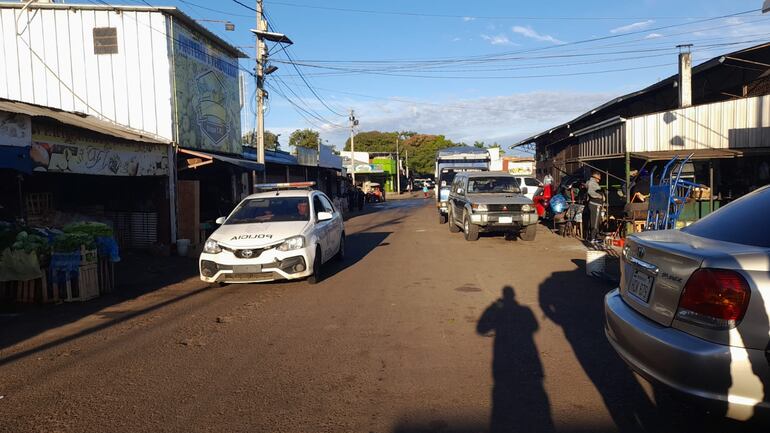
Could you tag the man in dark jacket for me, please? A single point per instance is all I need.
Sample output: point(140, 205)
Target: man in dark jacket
point(595, 202)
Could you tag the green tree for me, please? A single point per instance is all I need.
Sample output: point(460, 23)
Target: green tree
point(271, 140)
point(374, 141)
point(422, 151)
point(479, 144)
point(304, 138)
point(496, 145)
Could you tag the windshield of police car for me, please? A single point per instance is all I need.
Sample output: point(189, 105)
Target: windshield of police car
point(271, 209)
point(496, 184)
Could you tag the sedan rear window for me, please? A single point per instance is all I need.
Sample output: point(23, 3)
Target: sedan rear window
point(743, 221)
point(273, 209)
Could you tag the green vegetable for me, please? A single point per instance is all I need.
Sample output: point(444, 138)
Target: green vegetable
point(71, 242)
point(90, 228)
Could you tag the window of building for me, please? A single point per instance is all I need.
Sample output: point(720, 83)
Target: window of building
point(105, 40)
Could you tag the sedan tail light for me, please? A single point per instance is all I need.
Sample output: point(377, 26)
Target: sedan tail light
point(714, 298)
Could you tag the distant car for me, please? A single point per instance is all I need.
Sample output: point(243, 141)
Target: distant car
point(529, 186)
point(490, 202)
point(281, 234)
point(692, 308)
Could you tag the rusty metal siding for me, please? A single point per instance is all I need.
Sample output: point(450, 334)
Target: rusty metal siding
point(737, 124)
point(603, 143)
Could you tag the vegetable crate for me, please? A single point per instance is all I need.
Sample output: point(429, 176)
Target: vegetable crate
point(80, 286)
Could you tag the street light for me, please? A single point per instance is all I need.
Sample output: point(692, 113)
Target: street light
point(229, 26)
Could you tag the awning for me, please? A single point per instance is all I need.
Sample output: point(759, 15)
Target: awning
point(202, 158)
point(700, 154)
point(79, 120)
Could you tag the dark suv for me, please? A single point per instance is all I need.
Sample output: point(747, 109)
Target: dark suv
point(490, 202)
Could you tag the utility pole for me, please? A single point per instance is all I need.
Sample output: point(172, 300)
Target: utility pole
point(261, 58)
point(407, 165)
point(398, 167)
point(262, 71)
point(353, 124)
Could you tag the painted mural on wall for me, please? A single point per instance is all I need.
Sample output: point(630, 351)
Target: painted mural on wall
point(207, 94)
point(57, 150)
point(15, 129)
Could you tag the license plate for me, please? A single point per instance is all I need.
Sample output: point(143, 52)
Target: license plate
point(247, 269)
point(640, 285)
point(505, 220)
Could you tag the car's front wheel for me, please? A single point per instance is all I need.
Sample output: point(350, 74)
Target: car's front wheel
point(316, 277)
point(452, 225)
point(341, 251)
point(471, 230)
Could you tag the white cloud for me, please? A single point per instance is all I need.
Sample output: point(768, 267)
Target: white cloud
point(505, 119)
point(467, 19)
point(456, 39)
point(632, 27)
point(529, 32)
point(497, 39)
point(653, 36)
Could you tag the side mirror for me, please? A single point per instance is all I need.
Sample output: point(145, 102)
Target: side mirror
point(324, 216)
point(524, 190)
point(460, 190)
point(220, 220)
point(516, 190)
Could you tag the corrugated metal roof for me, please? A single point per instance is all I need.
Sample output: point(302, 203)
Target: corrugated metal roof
point(668, 82)
point(176, 13)
point(79, 120)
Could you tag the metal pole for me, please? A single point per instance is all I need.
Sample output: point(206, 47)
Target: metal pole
point(352, 147)
point(711, 186)
point(261, 54)
point(629, 226)
point(398, 168)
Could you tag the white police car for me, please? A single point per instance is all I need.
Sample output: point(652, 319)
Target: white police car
point(287, 233)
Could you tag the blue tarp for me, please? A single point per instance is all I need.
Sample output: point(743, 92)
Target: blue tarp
point(16, 158)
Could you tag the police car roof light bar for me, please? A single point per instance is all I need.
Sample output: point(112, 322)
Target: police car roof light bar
point(285, 185)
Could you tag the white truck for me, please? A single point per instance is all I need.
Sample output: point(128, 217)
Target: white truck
point(451, 161)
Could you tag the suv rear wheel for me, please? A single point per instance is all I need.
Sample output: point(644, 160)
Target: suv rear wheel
point(471, 230)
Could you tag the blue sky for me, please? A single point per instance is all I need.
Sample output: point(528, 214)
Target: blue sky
point(529, 68)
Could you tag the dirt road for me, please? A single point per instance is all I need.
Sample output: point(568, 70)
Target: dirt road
point(407, 335)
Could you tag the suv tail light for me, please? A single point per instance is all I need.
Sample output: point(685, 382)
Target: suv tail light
point(714, 298)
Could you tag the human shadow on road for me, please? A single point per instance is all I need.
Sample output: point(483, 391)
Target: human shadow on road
point(576, 303)
point(519, 400)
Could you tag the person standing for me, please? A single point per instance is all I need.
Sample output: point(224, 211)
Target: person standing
point(425, 190)
point(595, 202)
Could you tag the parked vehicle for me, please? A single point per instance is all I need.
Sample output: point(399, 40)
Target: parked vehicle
point(451, 161)
point(281, 234)
point(490, 202)
point(530, 186)
point(692, 308)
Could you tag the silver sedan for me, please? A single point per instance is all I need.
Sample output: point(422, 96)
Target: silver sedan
point(692, 308)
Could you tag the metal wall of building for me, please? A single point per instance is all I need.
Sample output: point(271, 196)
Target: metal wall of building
point(48, 59)
point(736, 124)
point(603, 143)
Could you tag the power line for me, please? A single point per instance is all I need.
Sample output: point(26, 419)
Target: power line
point(251, 8)
point(493, 56)
point(304, 79)
point(214, 10)
point(471, 17)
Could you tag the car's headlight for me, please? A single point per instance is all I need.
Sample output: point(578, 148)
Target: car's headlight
point(479, 207)
point(293, 243)
point(526, 208)
point(212, 247)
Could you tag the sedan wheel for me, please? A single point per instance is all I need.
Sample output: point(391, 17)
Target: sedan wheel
point(316, 277)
